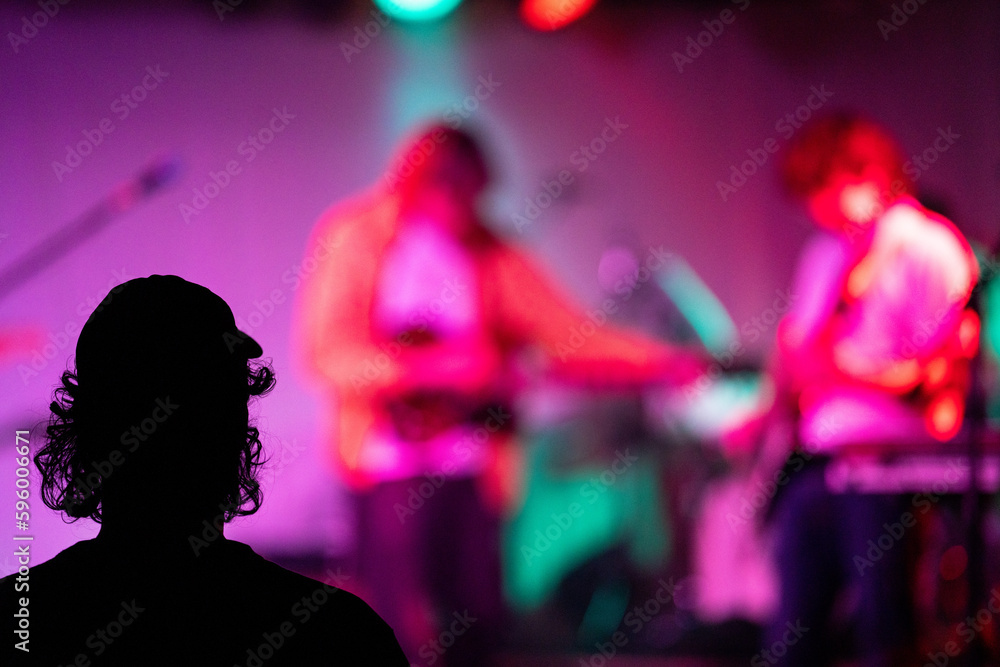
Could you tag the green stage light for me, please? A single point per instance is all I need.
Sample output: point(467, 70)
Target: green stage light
point(417, 10)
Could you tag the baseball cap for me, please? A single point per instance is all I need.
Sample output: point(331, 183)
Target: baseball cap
point(161, 325)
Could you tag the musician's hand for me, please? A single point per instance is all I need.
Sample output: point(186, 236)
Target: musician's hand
point(465, 366)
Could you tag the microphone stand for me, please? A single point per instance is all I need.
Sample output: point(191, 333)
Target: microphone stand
point(63, 240)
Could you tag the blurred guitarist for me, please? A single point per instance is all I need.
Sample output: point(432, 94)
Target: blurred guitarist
point(873, 354)
point(420, 323)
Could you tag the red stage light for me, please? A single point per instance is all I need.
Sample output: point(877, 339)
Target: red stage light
point(953, 562)
point(968, 334)
point(553, 14)
point(944, 416)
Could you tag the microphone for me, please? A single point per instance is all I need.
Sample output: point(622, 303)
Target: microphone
point(160, 173)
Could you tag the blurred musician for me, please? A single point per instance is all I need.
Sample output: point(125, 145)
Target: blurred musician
point(873, 354)
point(418, 320)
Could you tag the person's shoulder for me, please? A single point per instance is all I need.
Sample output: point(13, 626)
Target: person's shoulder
point(825, 253)
point(49, 595)
point(235, 556)
point(264, 606)
point(928, 238)
point(907, 219)
point(319, 609)
point(824, 241)
point(493, 249)
point(325, 618)
point(369, 214)
point(240, 558)
point(334, 621)
point(224, 590)
point(68, 564)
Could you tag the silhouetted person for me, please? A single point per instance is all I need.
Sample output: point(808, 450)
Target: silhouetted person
point(151, 437)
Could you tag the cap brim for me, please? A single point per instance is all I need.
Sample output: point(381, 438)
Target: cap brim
point(251, 347)
point(238, 342)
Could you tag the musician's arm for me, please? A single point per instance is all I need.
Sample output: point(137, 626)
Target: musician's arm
point(800, 356)
point(802, 352)
point(577, 346)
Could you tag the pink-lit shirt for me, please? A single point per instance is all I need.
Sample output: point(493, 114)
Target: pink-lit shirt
point(427, 282)
point(898, 304)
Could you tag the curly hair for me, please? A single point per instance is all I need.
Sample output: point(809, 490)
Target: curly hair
point(840, 143)
point(82, 429)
